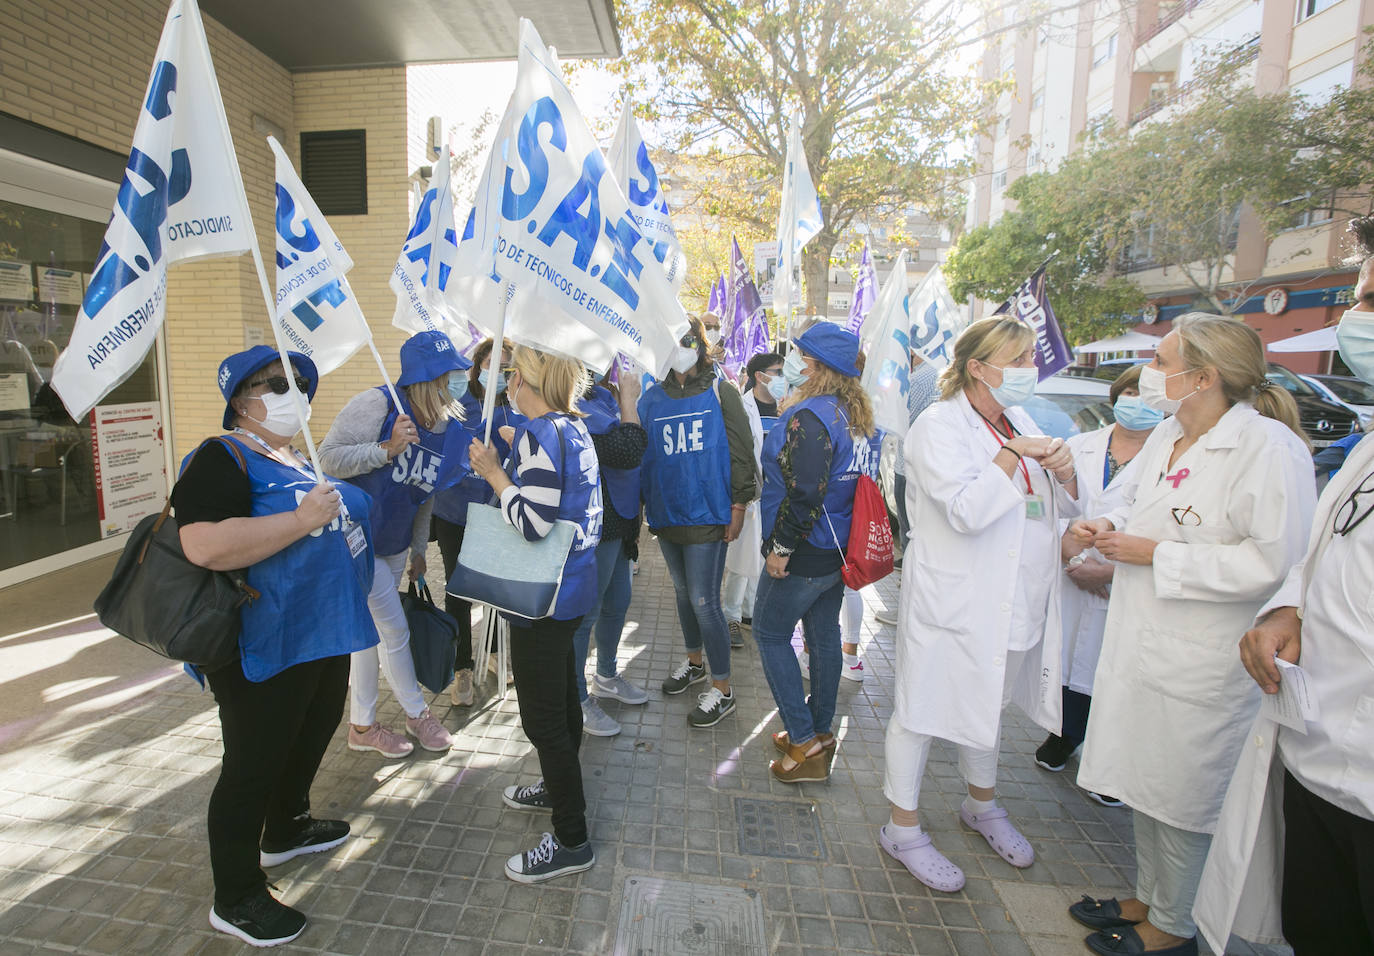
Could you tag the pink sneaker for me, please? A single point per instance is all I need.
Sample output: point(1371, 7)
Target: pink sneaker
point(380, 739)
point(997, 829)
point(429, 731)
point(924, 862)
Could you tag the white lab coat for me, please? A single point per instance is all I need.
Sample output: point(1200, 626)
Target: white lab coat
point(1172, 703)
point(1084, 613)
point(744, 555)
point(959, 582)
point(1241, 884)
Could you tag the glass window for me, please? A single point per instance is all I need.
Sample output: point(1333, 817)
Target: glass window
point(1104, 51)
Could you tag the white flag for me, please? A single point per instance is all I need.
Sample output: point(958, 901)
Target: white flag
point(551, 226)
point(181, 198)
point(887, 369)
point(936, 320)
point(629, 160)
point(316, 310)
point(799, 217)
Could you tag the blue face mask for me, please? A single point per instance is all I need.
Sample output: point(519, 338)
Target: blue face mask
point(500, 381)
point(794, 368)
point(777, 387)
point(1355, 338)
point(1018, 385)
point(1133, 414)
point(457, 385)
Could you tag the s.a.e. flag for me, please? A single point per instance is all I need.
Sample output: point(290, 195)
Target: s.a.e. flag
point(552, 236)
point(887, 368)
point(629, 161)
point(799, 217)
point(865, 291)
point(182, 198)
point(317, 312)
point(1031, 304)
point(936, 320)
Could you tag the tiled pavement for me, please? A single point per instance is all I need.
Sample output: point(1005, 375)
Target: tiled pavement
point(107, 758)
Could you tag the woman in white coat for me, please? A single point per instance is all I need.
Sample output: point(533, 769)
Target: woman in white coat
point(1103, 459)
point(979, 616)
point(1218, 514)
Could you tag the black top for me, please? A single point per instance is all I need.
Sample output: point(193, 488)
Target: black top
point(766, 409)
point(213, 487)
point(620, 447)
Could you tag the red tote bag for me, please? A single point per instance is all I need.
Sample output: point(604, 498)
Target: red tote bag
point(868, 557)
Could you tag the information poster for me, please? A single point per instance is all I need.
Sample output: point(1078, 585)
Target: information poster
point(14, 392)
point(16, 280)
point(59, 286)
point(130, 469)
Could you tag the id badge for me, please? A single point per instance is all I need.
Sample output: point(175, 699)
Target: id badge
point(1035, 507)
point(357, 541)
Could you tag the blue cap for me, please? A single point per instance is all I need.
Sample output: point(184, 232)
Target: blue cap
point(239, 366)
point(832, 346)
point(427, 355)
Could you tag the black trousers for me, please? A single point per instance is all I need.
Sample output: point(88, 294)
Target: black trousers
point(450, 538)
point(544, 665)
point(1328, 876)
point(275, 734)
point(1076, 707)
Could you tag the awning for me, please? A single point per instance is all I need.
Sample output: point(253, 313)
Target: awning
point(1322, 340)
point(1126, 342)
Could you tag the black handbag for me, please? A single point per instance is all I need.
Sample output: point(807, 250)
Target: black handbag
point(159, 599)
point(433, 638)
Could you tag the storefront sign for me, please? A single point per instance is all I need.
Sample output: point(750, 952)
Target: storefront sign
point(14, 392)
point(59, 286)
point(16, 281)
point(130, 472)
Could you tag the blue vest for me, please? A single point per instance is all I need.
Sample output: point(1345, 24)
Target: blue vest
point(849, 460)
point(451, 503)
point(570, 447)
point(621, 485)
point(399, 487)
point(314, 594)
point(687, 464)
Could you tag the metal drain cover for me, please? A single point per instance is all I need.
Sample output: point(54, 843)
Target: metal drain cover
point(669, 917)
point(781, 828)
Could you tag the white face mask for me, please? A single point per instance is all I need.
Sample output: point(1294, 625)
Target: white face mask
point(510, 398)
point(684, 360)
point(281, 416)
point(1152, 390)
point(794, 369)
point(1355, 337)
point(1018, 385)
point(777, 387)
point(712, 336)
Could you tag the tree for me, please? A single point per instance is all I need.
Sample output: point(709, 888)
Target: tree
point(884, 107)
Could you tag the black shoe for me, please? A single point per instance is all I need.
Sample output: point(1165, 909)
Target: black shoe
point(736, 634)
point(1054, 753)
point(1099, 914)
point(533, 797)
point(747, 621)
point(684, 676)
point(315, 836)
point(1125, 941)
point(1105, 800)
point(548, 860)
point(258, 919)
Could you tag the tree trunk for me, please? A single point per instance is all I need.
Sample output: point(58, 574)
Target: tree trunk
point(816, 268)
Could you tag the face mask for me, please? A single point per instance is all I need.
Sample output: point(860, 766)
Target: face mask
point(1134, 415)
point(712, 336)
point(510, 399)
point(1018, 385)
point(500, 381)
point(281, 416)
point(684, 360)
point(1152, 390)
point(794, 369)
point(777, 387)
point(457, 386)
point(1355, 338)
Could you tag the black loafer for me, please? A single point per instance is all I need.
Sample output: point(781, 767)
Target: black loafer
point(1099, 914)
point(1125, 941)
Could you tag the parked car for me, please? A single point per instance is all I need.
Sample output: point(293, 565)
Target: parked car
point(1106, 371)
point(1064, 405)
point(1325, 422)
point(1354, 394)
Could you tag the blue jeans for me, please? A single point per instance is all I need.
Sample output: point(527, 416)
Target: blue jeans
point(607, 614)
point(696, 570)
point(780, 603)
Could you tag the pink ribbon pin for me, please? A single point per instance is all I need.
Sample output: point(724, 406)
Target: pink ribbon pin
point(1177, 477)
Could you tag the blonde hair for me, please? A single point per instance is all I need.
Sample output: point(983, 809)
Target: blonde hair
point(979, 342)
point(824, 380)
point(1235, 351)
point(432, 403)
point(559, 381)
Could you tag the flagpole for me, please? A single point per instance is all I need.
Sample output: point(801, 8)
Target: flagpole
point(386, 377)
point(489, 397)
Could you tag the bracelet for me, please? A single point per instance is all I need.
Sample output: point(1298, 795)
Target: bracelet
point(780, 551)
point(1012, 450)
point(1064, 481)
point(739, 507)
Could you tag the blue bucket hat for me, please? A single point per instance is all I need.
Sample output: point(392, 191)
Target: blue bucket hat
point(427, 355)
point(238, 367)
point(832, 346)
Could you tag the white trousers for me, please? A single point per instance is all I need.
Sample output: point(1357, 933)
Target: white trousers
point(394, 658)
point(737, 595)
point(906, 752)
point(851, 616)
point(1168, 869)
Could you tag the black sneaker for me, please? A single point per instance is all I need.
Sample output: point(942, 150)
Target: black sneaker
point(258, 919)
point(736, 634)
point(1054, 753)
point(711, 708)
point(548, 860)
point(1105, 800)
point(684, 676)
point(533, 797)
point(315, 836)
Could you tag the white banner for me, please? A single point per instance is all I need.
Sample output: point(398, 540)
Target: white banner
point(936, 320)
point(316, 310)
point(554, 228)
point(181, 198)
point(629, 160)
point(887, 369)
point(799, 218)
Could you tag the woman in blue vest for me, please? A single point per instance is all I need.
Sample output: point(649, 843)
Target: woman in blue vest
point(251, 501)
point(613, 422)
point(552, 477)
point(698, 478)
point(451, 504)
point(400, 457)
point(823, 440)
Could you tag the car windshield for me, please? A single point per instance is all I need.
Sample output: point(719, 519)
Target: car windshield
point(1062, 416)
point(1289, 381)
point(1350, 390)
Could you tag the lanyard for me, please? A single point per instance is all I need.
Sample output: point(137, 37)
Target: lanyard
point(299, 468)
point(1021, 462)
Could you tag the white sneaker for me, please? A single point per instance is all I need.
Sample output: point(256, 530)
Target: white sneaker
point(886, 617)
point(853, 671)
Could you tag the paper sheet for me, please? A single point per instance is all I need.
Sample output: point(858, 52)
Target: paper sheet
point(1293, 705)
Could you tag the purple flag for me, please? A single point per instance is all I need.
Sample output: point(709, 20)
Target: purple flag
point(744, 315)
point(716, 303)
point(1031, 305)
point(865, 292)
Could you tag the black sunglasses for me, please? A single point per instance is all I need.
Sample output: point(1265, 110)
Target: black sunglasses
point(688, 341)
point(1349, 515)
point(280, 386)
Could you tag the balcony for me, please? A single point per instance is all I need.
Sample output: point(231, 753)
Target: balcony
point(1169, 13)
point(1246, 53)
